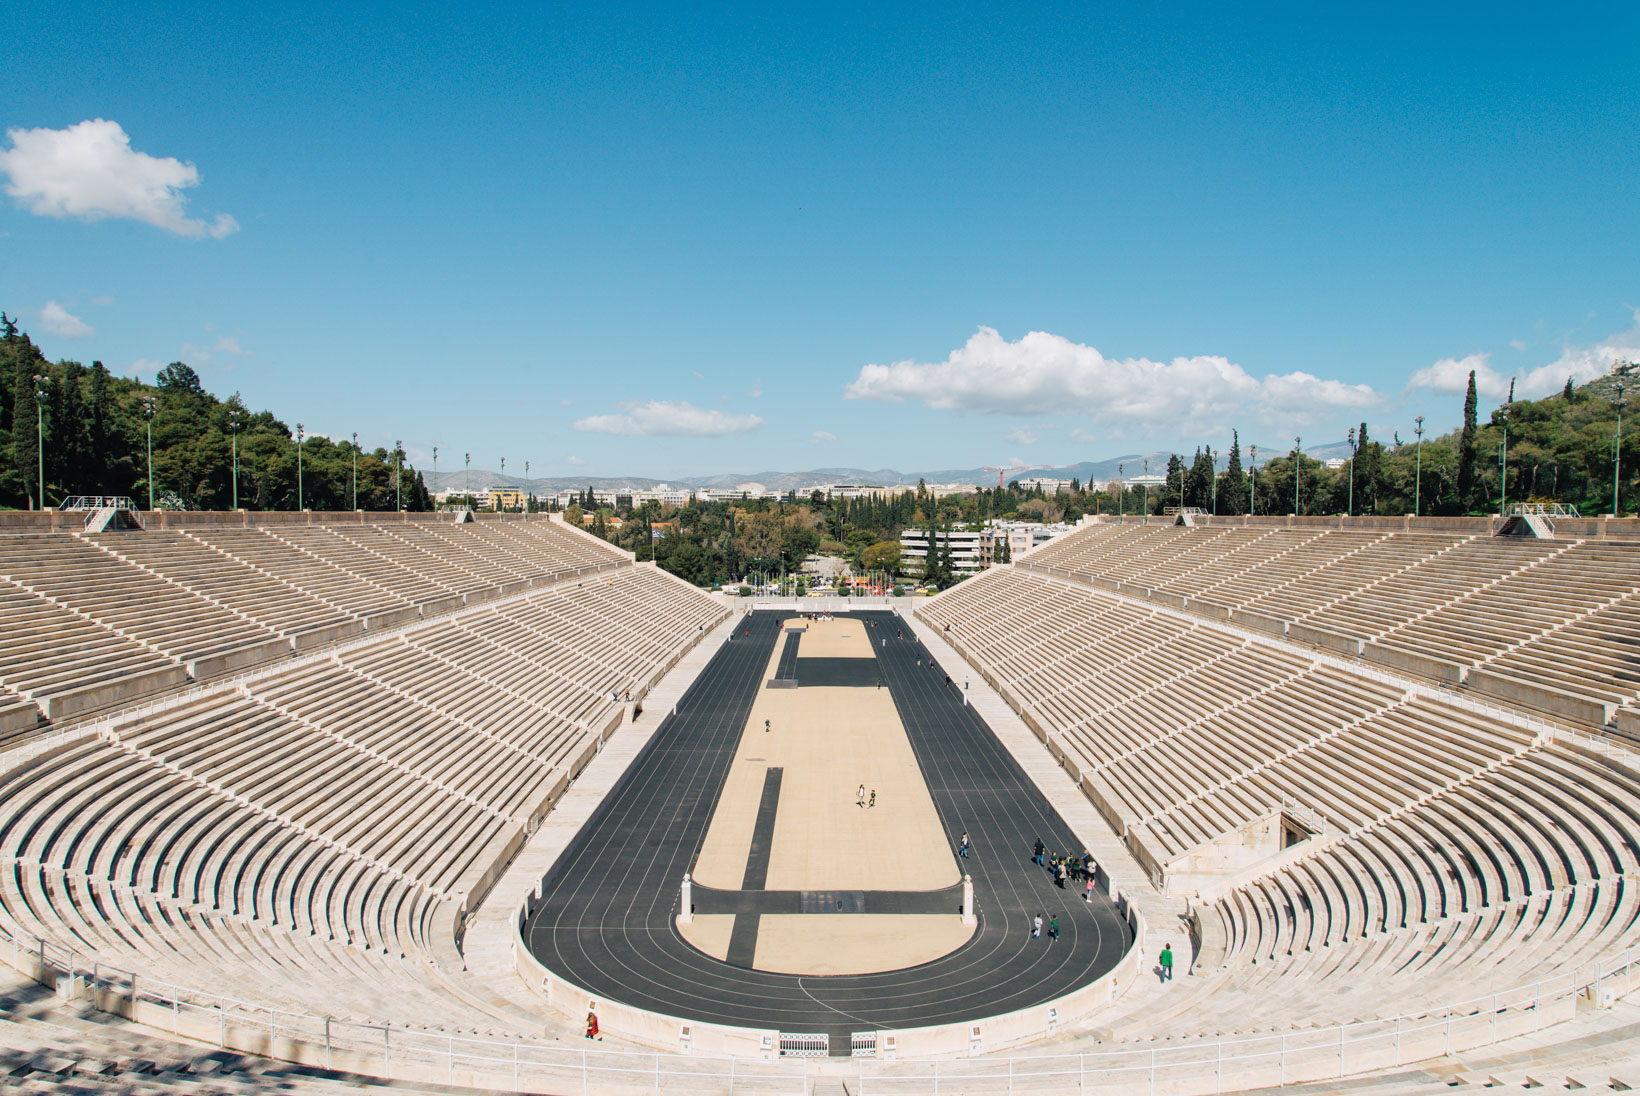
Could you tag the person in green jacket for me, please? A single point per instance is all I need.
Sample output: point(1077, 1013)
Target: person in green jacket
point(1167, 963)
point(1053, 928)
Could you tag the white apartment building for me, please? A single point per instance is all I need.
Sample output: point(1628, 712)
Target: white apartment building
point(970, 550)
point(1022, 537)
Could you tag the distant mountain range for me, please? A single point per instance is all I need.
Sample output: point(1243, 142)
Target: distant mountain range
point(1131, 465)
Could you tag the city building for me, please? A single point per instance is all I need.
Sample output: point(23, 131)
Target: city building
point(1022, 537)
point(970, 549)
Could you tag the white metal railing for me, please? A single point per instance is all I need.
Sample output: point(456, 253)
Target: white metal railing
point(1541, 509)
point(1315, 819)
point(1180, 1067)
point(98, 502)
point(804, 1044)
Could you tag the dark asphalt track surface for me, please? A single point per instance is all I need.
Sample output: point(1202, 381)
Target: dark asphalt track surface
point(606, 920)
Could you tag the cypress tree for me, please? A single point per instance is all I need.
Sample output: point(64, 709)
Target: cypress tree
point(1233, 488)
point(25, 448)
point(100, 427)
point(1466, 450)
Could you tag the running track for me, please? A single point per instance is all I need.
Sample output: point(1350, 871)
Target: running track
point(606, 920)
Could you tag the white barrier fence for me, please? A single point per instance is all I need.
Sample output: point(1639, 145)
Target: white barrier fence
point(531, 1066)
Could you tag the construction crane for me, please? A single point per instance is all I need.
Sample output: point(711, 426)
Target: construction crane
point(1024, 468)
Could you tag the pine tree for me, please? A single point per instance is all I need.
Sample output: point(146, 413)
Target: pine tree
point(1568, 394)
point(1466, 450)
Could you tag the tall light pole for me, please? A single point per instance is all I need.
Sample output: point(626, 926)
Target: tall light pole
point(398, 474)
point(1214, 487)
point(1622, 369)
point(498, 506)
point(529, 488)
point(1147, 490)
point(299, 505)
point(467, 485)
point(40, 382)
point(435, 473)
point(1503, 457)
point(235, 420)
point(1350, 511)
point(1252, 497)
point(1298, 472)
point(1418, 476)
point(1121, 495)
point(148, 404)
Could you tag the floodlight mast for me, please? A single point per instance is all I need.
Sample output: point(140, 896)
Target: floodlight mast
point(299, 505)
point(1418, 476)
point(235, 421)
point(1298, 472)
point(1349, 511)
point(1252, 474)
point(1622, 369)
point(40, 383)
point(148, 403)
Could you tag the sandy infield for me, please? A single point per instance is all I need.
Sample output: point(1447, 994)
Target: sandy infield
point(828, 742)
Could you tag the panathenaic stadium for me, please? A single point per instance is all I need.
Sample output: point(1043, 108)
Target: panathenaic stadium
point(322, 803)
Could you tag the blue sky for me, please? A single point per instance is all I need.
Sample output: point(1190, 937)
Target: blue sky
point(640, 241)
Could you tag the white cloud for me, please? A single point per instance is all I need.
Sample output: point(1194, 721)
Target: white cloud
point(757, 389)
point(102, 302)
point(199, 354)
point(1043, 374)
point(566, 402)
point(57, 320)
point(698, 375)
point(1518, 344)
point(1579, 363)
point(147, 366)
point(89, 171)
point(823, 436)
point(1450, 376)
point(577, 461)
point(1024, 435)
point(668, 418)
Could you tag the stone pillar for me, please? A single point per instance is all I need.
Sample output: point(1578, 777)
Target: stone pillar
point(968, 917)
point(686, 910)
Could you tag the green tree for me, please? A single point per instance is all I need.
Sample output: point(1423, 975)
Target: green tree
point(1466, 451)
point(1232, 496)
point(882, 556)
point(179, 378)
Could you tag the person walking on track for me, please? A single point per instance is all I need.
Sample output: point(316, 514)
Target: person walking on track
point(1166, 959)
point(963, 850)
point(1053, 928)
point(1036, 928)
point(1037, 850)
